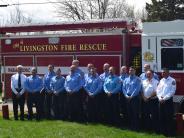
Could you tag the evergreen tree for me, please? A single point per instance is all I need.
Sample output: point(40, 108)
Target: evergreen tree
point(165, 10)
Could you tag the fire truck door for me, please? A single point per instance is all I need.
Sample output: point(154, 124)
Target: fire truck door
point(149, 48)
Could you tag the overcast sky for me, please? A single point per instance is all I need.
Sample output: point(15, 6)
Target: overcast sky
point(45, 12)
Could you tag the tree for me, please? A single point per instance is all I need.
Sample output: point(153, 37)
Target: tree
point(94, 9)
point(165, 10)
point(17, 17)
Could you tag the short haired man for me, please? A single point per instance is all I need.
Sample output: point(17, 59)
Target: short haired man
point(143, 75)
point(48, 92)
point(150, 102)
point(165, 91)
point(73, 84)
point(112, 87)
point(59, 95)
point(33, 86)
point(131, 89)
point(18, 92)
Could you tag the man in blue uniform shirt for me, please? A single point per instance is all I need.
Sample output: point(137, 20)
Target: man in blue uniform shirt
point(59, 95)
point(112, 87)
point(73, 84)
point(93, 87)
point(131, 89)
point(101, 96)
point(146, 68)
point(105, 74)
point(123, 76)
point(33, 86)
point(48, 91)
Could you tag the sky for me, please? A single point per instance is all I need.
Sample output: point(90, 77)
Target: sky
point(44, 12)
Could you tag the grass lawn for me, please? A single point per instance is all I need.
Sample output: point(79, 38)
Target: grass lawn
point(62, 129)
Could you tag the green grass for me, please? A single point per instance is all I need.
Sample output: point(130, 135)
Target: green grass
point(62, 129)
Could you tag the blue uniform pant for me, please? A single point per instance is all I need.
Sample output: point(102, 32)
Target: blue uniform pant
point(133, 112)
point(59, 105)
point(33, 98)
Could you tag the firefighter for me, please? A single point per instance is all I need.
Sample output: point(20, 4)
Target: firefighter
point(122, 77)
point(59, 95)
point(131, 89)
point(33, 86)
point(101, 96)
point(143, 75)
point(165, 91)
point(93, 87)
point(18, 92)
point(47, 90)
point(89, 67)
point(112, 87)
point(105, 74)
point(78, 70)
point(73, 84)
point(82, 92)
point(150, 102)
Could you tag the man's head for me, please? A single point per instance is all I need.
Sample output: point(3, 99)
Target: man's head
point(132, 71)
point(112, 70)
point(50, 67)
point(149, 74)
point(75, 62)
point(34, 71)
point(106, 67)
point(93, 71)
point(90, 66)
point(165, 72)
point(123, 69)
point(19, 68)
point(72, 68)
point(146, 67)
point(58, 72)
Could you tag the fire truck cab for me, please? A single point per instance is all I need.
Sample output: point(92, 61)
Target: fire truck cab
point(163, 47)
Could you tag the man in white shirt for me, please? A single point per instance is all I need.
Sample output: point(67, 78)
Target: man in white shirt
point(165, 91)
point(150, 102)
point(18, 89)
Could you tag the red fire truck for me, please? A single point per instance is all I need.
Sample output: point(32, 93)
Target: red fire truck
point(115, 42)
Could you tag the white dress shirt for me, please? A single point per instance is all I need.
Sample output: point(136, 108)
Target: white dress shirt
point(166, 88)
point(14, 83)
point(149, 87)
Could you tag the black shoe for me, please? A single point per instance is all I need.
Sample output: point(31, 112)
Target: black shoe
point(16, 119)
point(22, 119)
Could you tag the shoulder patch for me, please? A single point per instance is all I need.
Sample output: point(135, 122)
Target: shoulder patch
point(173, 83)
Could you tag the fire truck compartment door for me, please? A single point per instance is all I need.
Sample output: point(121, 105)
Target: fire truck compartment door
point(59, 61)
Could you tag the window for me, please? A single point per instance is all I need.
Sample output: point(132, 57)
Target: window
point(171, 42)
point(172, 58)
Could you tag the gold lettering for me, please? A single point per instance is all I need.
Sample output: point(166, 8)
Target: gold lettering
point(38, 48)
point(93, 47)
point(69, 47)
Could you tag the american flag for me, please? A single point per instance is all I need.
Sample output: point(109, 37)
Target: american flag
point(171, 42)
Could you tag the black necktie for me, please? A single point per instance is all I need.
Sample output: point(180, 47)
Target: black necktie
point(19, 81)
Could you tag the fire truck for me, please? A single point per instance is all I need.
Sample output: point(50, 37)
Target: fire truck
point(116, 42)
point(109, 41)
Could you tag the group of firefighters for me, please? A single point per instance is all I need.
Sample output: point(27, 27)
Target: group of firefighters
point(94, 97)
